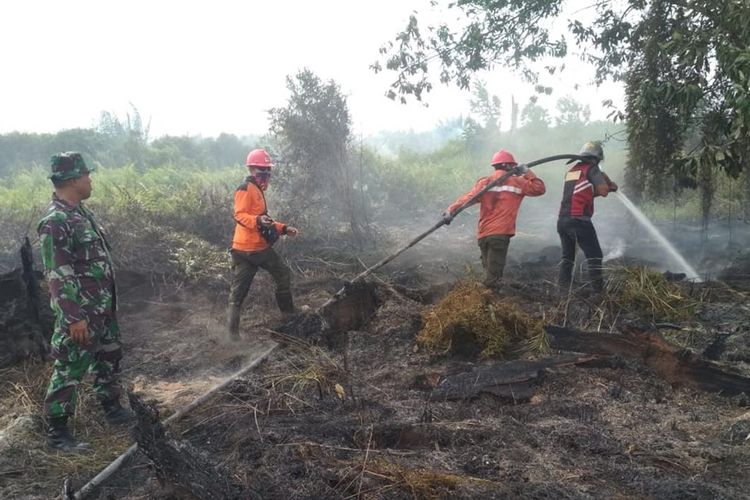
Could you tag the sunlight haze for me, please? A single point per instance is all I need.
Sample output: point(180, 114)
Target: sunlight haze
point(201, 68)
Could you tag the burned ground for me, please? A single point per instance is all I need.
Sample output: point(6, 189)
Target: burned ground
point(352, 413)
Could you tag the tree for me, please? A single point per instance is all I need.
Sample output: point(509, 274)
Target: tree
point(129, 140)
point(487, 106)
point(314, 134)
point(571, 112)
point(227, 149)
point(534, 117)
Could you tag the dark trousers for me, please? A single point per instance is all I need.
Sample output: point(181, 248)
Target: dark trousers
point(494, 250)
point(581, 233)
point(244, 267)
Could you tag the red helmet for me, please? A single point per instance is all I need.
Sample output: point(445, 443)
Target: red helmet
point(259, 158)
point(503, 156)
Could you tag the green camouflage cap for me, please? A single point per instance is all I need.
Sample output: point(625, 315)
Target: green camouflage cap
point(69, 165)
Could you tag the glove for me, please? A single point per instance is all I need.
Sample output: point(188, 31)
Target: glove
point(521, 169)
point(447, 217)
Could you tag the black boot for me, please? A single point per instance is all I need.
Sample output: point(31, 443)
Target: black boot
point(285, 302)
point(234, 321)
point(60, 438)
point(595, 275)
point(116, 414)
point(565, 276)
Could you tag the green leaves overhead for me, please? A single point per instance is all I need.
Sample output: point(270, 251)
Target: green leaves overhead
point(506, 32)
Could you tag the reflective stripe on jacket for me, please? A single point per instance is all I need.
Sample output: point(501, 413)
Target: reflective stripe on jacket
point(249, 205)
point(498, 207)
point(578, 191)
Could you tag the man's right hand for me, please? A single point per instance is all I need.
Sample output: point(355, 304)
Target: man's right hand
point(447, 217)
point(79, 332)
point(265, 220)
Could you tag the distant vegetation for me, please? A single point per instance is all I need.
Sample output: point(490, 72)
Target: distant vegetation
point(167, 201)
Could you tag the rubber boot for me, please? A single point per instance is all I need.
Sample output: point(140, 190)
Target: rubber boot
point(116, 414)
point(286, 304)
point(60, 438)
point(234, 322)
point(595, 275)
point(565, 276)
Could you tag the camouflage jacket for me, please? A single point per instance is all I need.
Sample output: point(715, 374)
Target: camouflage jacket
point(77, 263)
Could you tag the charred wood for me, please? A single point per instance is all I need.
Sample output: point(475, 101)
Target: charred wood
point(512, 380)
point(677, 366)
point(25, 317)
point(179, 465)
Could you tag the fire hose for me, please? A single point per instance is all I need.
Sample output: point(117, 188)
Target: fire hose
point(442, 222)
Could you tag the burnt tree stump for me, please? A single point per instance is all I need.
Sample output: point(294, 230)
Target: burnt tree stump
point(178, 464)
point(26, 319)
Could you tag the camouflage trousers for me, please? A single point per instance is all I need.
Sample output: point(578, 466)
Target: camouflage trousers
point(101, 358)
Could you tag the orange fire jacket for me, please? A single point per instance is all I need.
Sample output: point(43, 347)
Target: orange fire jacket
point(498, 207)
point(249, 204)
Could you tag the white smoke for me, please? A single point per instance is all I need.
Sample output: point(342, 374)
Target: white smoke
point(616, 251)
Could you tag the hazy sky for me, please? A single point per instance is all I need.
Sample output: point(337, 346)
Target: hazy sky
point(203, 67)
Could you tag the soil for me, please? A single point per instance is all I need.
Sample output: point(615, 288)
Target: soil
point(344, 409)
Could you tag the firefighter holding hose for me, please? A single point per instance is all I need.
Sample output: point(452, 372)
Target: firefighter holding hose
point(498, 210)
point(583, 182)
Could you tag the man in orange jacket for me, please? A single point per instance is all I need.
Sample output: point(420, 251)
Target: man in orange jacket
point(254, 233)
point(498, 209)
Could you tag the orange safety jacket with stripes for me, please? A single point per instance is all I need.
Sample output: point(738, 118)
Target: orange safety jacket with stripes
point(249, 205)
point(498, 207)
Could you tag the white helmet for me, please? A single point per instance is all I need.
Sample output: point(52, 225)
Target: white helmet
point(593, 148)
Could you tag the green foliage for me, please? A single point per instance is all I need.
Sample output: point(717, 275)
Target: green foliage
point(487, 106)
point(534, 117)
point(572, 113)
point(143, 211)
point(507, 33)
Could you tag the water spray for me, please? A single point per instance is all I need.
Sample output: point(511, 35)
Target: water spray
point(690, 272)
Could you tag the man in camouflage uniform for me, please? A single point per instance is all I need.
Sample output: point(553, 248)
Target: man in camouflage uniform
point(81, 282)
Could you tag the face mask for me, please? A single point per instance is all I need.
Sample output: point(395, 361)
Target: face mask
point(262, 177)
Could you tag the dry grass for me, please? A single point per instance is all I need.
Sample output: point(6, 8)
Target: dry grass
point(472, 309)
point(418, 482)
point(311, 367)
point(647, 292)
point(28, 466)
